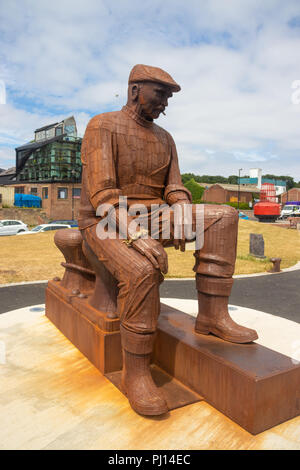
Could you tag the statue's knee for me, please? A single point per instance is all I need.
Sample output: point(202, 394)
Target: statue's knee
point(230, 213)
point(146, 271)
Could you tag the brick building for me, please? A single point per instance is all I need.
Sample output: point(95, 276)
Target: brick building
point(50, 167)
point(59, 200)
point(291, 195)
point(222, 193)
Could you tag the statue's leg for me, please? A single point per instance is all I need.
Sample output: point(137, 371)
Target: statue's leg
point(138, 307)
point(214, 270)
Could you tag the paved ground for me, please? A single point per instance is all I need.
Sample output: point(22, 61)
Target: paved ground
point(53, 398)
point(277, 294)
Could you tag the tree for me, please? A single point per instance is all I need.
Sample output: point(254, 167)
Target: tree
point(233, 179)
point(195, 189)
point(290, 183)
point(187, 177)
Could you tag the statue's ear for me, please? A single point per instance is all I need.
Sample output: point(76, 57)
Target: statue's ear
point(134, 92)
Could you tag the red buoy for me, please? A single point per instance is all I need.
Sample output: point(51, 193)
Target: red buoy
point(267, 209)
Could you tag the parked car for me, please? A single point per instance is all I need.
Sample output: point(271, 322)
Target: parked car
point(73, 223)
point(45, 228)
point(12, 227)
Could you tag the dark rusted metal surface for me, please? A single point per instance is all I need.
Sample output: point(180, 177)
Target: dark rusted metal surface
point(125, 154)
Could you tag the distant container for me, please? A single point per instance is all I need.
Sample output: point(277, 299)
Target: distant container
point(27, 200)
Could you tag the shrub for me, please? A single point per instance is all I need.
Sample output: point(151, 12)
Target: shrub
point(242, 205)
point(196, 190)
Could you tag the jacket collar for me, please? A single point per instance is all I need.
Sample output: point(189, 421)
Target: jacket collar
point(139, 119)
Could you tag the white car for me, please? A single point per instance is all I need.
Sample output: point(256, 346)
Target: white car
point(12, 227)
point(45, 228)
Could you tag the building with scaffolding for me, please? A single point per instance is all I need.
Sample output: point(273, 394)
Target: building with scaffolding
point(50, 167)
point(54, 155)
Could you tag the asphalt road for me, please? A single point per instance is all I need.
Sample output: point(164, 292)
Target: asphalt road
point(277, 294)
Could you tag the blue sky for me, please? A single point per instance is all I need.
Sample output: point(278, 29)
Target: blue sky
point(236, 62)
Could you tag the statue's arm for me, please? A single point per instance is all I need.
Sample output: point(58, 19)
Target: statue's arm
point(175, 191)
point(99, 151)
point(98, 157)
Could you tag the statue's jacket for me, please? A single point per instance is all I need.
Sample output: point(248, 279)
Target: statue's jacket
point(125, 155)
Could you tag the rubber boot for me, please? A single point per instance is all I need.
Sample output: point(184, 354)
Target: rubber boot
point(213, 316)
point(137, 383)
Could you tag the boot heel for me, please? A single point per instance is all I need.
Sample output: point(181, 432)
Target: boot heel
point(201, 329)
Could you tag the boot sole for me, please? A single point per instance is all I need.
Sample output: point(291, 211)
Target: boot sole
point(142, 410)
point(148, 412)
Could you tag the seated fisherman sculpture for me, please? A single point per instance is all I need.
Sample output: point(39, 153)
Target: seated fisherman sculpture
point(125, 154)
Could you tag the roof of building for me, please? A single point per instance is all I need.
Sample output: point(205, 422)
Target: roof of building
point(49, 126)
point(7, 175)
point(34, 145)
point(275, 181)
point(9, 171)
point(46, 127)
point(232, 187)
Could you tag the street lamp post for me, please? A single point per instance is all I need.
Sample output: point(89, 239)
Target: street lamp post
point(240, 169)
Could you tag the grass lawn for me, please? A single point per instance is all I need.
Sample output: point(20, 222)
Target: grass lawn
point(35, 257)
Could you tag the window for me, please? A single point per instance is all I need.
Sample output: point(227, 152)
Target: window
point(19, 190)
point(45, 193)
point(62, 193)
point(33, 191)
point(76, 193)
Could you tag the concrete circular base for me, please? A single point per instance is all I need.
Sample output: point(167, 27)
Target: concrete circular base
point(52, 397)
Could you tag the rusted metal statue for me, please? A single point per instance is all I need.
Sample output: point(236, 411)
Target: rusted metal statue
point(125, 153)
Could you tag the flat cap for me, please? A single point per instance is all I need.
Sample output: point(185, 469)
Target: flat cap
point(147, 73)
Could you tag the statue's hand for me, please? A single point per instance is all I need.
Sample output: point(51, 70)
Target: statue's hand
point(154, 251)
point(178, 228)
point(180, 243)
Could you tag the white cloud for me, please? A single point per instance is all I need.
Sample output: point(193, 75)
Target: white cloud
point(236, 62)
point(7, 157)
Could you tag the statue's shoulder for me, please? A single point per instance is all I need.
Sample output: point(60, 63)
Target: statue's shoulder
point(105, 120)
point(162, 132)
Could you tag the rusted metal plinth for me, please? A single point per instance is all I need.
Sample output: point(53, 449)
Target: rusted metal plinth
point(90, 330)
point(254, 386)
point(98, 337)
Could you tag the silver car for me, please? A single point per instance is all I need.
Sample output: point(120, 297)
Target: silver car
point(12, 227)
point(45, 228)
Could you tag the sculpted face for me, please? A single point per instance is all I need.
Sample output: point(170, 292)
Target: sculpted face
point(152, 98)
